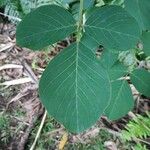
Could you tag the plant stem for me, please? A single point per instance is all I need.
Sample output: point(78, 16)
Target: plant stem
point(80, 23)
point(39, 131)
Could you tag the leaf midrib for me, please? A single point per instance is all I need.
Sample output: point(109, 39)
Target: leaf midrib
point(76, 83)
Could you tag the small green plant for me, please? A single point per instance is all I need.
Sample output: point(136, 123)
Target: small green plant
point(140, 147)
point(45, 141)
point(137, 130)
point(4, 129)
point(139, 127)
point(78, 87)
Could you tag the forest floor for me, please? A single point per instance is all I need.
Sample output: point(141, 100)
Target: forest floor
point(21, 112)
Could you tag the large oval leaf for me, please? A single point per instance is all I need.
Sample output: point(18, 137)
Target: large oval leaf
point(112, 27)
point(44, 26)
point(75, 88)
point(121, 100)
point(140, 10)
point(141, 80)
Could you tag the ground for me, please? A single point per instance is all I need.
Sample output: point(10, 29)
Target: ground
point(21, 111)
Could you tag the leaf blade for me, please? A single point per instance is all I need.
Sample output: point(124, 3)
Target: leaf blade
point(112, 27)
point(146, 44)
point(77, 91)
point(44, 27)
point(121, 100)
point(140, 11)
point(141, 80)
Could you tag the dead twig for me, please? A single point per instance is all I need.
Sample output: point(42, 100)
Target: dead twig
point(24, 138)
point(29, 71)
point(54, 132)
point(20, 95)
point(4, 47)
point(39, 131)
point(11, 66)
point(16, 81)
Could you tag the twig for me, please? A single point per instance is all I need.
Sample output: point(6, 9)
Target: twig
point(19, 120)
point(11, 17)
point(24, 138)
point(54, 131)
point(131, 114)
point(11, 66)
point(16, 98)
point(115, 133)
point(16, 81)
point(23, 93)
point(5, 47)
point(39, 131)
point(29, 71)
point(143, 141)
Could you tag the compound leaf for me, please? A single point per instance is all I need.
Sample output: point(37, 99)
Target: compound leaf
point(75, 88)
point(140, 10)
point(121, 101)
point(44, 26)
point(112, 27)
point(141, 80)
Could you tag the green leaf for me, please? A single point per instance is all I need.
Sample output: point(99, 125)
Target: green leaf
point(109, 58)
point(45, 26)
point(121, 100)
point(112, 27)
point(75, 88)
point(141, 80)
point(140, 10)
point(115, 69)
point(146, 42)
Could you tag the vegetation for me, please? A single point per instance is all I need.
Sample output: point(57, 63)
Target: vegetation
point(139, 127)
point(78, 68)
point(104, 53)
